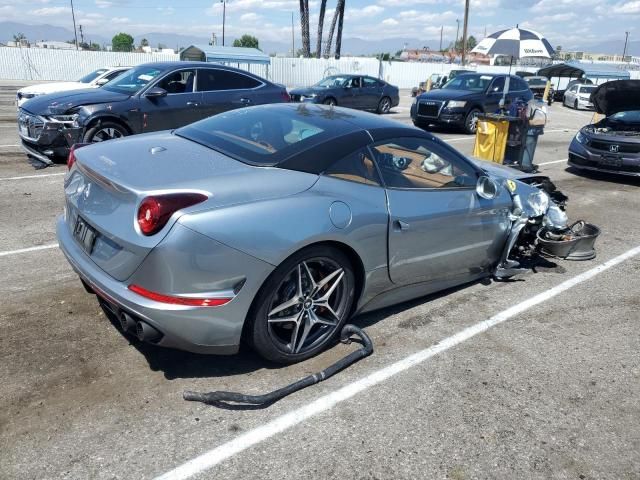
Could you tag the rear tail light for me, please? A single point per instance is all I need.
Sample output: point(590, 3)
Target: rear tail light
point(186, 301)
point(285, 96)
point(71, 159)
point(154, 212)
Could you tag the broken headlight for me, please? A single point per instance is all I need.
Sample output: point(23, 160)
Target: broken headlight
point(539, 202)
point(66, 120)
point(582, 138)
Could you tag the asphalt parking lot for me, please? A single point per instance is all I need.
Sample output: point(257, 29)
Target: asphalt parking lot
point(548, 388)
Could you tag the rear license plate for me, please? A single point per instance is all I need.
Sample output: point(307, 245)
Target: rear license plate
point(610, 161)
point(85, 235)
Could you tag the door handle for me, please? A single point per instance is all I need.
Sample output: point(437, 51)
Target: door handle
point(245, 101)
point(399, 225)
point(192, 104)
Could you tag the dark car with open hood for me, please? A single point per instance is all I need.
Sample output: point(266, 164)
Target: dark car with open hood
point(611, 145)
point(147, 98)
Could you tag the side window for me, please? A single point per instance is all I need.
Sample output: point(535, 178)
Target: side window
point(419, 163)
point(498, 85)
point(213, 79)
point(356, 82)
point(574, 89)
point(113, 75)
point(518, 85)
point(178, 82)
point(370, 82)
point(356, 167)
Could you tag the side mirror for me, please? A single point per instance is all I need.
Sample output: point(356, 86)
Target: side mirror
point(156, 92)
point(102, 81)
point(487, 188)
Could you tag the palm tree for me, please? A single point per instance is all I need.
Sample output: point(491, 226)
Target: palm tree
point(304, 26)
point(323, 6)
point(339, 13)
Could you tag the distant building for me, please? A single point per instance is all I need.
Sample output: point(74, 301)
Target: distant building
point(54, 45)
point(594, 57)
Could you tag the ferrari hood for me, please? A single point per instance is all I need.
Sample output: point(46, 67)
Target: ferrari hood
point(616, 96)
point(60, 103)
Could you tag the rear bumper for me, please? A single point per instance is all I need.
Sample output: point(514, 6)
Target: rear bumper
point(209, 330)
point(583, 158)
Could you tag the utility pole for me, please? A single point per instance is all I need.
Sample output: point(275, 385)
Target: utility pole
point(73, 16)
point(626, 39)
point(224, 17)
point(441, 28)
point(293, 38)
point(464, 31)
point(455, 45)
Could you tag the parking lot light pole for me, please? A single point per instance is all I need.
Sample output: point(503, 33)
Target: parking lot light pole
point(455, 45)
point(464, 32)
point(626, 39)
point(224, 15)
point(73, 16)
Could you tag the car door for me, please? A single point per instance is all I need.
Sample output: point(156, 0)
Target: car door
point(371, 93)
point(570, 95)
point(439, 228)
point(224, 90)
point(180, 106)
point(495, 92)
point(351, 96)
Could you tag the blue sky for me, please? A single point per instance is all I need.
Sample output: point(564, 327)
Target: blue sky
point(563, 22)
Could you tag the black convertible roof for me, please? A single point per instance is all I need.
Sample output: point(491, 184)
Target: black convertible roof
point(341, 132)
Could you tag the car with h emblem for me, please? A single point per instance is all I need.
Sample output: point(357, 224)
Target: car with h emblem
point(612, 144)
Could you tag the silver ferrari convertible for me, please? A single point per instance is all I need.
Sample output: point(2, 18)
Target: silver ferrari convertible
point(275, 224)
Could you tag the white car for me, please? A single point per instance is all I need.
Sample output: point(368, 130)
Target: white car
point(578, 96)
point(94, 79)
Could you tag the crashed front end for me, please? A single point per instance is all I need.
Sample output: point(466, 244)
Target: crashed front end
point(46, 137)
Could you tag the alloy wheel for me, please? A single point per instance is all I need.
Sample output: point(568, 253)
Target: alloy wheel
point(308, 306)
point(385, 105)
point(107, 133)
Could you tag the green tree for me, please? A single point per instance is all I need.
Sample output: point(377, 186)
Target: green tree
point(144, 42)
point(248, 41)
point(471, 43)
point(122, 42)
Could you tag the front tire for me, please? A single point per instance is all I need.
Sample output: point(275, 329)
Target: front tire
point(471, 121)
point(575, 105)
point(330, 101)
point(104, 131)
point(303, 305)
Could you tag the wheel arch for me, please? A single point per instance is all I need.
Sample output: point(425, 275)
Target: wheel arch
point(93, 121)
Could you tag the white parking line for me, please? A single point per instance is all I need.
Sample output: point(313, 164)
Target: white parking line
point(27, 250)
point(554, 161)
point(25, 177)
point(257, 435)
point(9, 146)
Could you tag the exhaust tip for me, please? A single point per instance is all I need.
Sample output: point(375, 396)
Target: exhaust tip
point(127, 323)
point(146, 333)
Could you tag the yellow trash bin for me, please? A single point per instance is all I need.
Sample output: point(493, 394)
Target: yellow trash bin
point(491, 139)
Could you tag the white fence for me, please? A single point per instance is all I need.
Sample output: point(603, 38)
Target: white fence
point(45, 64)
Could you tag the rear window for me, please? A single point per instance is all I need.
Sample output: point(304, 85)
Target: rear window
point(92, 76)
point(259, 136)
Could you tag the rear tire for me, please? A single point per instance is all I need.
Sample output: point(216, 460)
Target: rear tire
point(384, 105)
point(330, 101)
point(304, 327)
point(104, 131)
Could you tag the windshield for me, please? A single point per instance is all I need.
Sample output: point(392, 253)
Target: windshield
point(587, 89)
point(92, 76)
point(536, 82)
point(259, 136)
point(632, 116)
point(476, 83)
point(133, 80)
point(334, 81)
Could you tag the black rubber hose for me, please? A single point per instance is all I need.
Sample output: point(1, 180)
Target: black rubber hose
point(240, 401)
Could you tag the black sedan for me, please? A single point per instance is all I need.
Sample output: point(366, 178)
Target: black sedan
point(352, 91)
point(460, 101)
point(147, 98)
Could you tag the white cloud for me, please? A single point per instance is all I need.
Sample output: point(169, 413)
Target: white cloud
point(49, 11)
point(627, 7)
point(406, 3)
point(239, 5)
point(104, 3)
point(390, 22)
point(166, 10)
point(250, 17)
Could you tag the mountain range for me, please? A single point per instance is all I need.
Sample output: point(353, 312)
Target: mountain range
point(352, 45)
